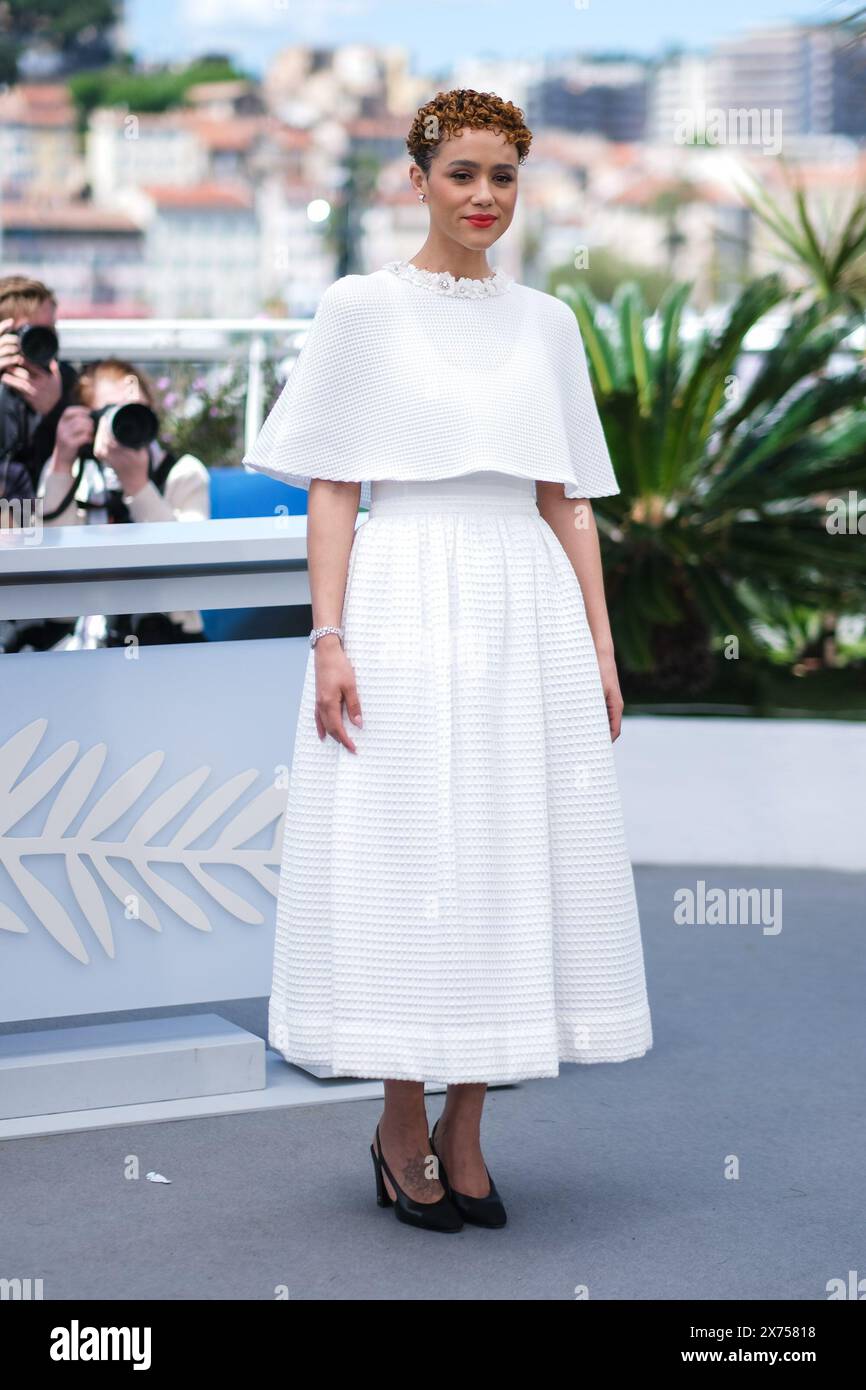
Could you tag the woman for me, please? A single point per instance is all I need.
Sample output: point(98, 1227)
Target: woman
point(456, 902)
point(119, 484)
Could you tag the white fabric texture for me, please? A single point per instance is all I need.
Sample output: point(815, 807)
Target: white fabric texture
point(456, 902)
point(410, 375)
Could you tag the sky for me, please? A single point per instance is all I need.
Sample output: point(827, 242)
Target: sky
point(438, 31)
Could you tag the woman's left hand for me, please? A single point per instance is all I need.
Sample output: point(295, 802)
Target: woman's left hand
point(612, 696)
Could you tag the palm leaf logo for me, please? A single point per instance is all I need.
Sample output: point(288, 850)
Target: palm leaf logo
point(86, 854)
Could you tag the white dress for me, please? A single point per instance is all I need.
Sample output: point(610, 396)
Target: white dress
point(456, 900)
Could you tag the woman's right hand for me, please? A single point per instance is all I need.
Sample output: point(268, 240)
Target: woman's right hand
point(74, 429)
point(335, 682)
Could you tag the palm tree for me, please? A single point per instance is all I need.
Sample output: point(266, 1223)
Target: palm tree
point(829, 248)
point(855, 22)
point(720, 528)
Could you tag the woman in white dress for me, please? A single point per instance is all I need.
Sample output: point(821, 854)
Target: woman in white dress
point(456, 902)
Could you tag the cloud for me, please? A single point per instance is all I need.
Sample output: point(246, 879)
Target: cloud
point(266, 15)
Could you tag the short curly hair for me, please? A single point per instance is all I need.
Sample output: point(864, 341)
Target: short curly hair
point(450, 112)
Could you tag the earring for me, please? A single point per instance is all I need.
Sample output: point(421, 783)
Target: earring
point(422, 197)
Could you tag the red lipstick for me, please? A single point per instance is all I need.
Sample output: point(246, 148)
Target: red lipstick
point(481, 220)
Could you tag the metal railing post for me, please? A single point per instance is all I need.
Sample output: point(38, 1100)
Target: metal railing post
point(254, 408)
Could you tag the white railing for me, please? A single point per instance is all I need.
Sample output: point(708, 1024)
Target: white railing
point(158, 566)
point(189, 340)
point(253, 340)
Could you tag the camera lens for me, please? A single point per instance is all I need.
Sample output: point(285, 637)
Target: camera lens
point(134, 425)
point(39, 343)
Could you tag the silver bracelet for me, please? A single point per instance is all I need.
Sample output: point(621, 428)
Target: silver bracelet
point(318, 632)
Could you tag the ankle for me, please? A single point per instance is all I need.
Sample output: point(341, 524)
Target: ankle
point(465, 1130)
point(401, 1128)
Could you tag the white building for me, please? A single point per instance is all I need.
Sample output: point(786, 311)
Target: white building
point(679, 84)
point(201, 249)
point(91, 257)
point(295, 260)
point(38, 148)
point(804, 71)
point(125, 150)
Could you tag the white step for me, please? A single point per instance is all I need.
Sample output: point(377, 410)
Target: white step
point(156, 1059)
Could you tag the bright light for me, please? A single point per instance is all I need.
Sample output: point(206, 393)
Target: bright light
point(319, 210)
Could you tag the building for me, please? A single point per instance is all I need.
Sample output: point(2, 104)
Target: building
point(678, 84)
point(304, 85)
point(201, 249)
point(92, 257)
point(126, 150)
point(224, 100)
point(604, 98)
point(296, 261)
point(38, 145)
point(806, 72)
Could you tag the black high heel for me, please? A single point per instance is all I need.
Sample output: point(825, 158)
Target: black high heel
point(431, 1216)
point(481, 1211)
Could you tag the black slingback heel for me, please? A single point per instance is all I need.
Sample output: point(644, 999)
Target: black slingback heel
point(480, 1211)
point(430, 1216)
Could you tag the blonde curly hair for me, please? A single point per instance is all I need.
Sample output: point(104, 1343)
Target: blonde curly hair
point(449, 112)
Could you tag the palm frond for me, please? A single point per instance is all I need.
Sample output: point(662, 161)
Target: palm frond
point(721, 522)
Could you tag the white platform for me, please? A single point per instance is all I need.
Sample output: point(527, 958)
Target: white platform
point(777, 792)
point(284, 1085)
point(277, 1083)
point(55, 1070)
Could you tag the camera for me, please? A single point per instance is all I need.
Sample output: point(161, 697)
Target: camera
point(133, 424)
point(39, 343)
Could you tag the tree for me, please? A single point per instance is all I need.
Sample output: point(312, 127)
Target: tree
point(161, 90)
point(71, 29)
point(827, 245)
point(720, 530)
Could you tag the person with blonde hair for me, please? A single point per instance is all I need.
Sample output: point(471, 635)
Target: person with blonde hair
point(34, 386)
point(456, 902)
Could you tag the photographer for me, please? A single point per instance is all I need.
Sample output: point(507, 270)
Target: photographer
point(34, 387)
point(120, 482)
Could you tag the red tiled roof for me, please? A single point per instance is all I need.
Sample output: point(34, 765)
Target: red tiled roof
point(69, 217)
point(85, 309)
point(40, 93)
point(646, 189)
point(199, 195)
point(379, 127)
point(49, 119)
point(291, 138)
point(238, 133)
point(35, 104)
point(831, 175)
point(580, 147)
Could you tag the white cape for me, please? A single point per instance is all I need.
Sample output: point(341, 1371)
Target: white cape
point(395, 381)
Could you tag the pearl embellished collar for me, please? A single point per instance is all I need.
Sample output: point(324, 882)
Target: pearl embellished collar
point(443, 282)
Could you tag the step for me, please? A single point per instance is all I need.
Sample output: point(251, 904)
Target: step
point(49, 1071)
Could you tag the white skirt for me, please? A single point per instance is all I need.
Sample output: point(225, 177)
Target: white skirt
point(456, 902)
